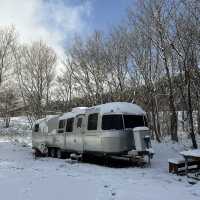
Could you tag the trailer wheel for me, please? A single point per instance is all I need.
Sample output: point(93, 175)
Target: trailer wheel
point(43, 150)
point(36, 153)
point(59, 154)
point(53, 152)
point(66, 155)
point(49, 152)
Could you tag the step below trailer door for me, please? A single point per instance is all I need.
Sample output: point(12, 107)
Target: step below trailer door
point(79, 133)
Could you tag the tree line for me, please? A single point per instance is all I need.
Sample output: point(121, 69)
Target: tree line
point(151, 58)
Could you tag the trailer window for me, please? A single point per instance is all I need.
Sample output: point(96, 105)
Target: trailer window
point(79, 122)
point(69, 127)
point(112, 122)
point(132, 121)
point(61, 126)
point(92, 121)
point(36, 128)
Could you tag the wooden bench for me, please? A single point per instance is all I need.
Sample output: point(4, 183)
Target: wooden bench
point(177, 165)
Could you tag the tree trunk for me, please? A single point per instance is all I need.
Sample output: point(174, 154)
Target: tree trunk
point(157, 118)
point(173, 116)
point(154, 121)
point(198, 120)
point(198, 111)
point(190, 110)
point(7, 122)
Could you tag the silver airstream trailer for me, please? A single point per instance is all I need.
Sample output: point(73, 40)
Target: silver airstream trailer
point(108, 129)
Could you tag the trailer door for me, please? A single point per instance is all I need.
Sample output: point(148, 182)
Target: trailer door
point(79, 133)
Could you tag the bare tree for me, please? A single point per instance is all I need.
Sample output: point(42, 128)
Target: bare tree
point(7, 42)
point(7, 95)
point(146, 68)
point(172, 28)
point(186, 47)
point(35, 65)
point(87, 67)
point(7, 100)
point(65, 87)
point(117, 62)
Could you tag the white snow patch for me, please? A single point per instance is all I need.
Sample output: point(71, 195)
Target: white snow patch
point(22, 178)
point(118, 107)
point(194, 152)
point(142, 128)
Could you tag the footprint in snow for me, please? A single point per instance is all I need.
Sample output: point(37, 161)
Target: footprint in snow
point(43, 177)
point(143, 174)
point(113, 193)
point(168, 181)
point(195, 194)
point(62, 166)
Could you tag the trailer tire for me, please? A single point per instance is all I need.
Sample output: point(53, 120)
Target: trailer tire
point(36, 153)
point(49, 152)
point(43, 149)
point(53, 152)
point(59, 154)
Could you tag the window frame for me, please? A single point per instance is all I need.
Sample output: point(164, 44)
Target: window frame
point(88, 120)
point(134, 115)
point(109, 114)
point(36, 130)
point(78, 120)
point(61, 129)
point(72, 125)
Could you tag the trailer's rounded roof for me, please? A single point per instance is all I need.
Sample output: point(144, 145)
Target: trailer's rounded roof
point(74, 112)
point(114, 107)
point(46, 119)
point(117, 107)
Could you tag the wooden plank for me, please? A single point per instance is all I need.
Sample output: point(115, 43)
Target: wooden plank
point(189, 165)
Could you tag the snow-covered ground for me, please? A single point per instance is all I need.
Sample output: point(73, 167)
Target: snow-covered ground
point(18, 131)
point(23, 178)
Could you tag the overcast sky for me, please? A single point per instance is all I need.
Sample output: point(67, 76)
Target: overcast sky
point(57, 21)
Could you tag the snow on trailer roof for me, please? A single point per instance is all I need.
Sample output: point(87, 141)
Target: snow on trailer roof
point(46, 119)
point(117, 107)
point(74, 112)
point(79, 109)
point(113, 107)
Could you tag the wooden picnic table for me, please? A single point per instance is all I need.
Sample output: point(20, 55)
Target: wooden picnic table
point(191, 155)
